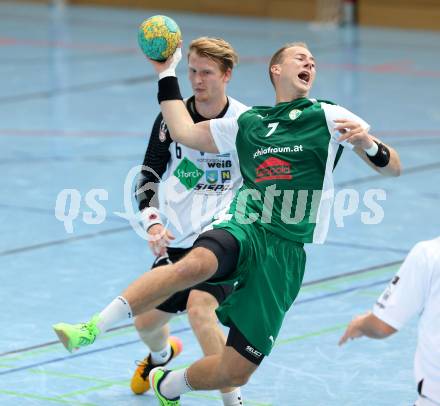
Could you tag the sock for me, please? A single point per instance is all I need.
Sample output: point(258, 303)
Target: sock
point(116, 311)
point(175, 384)
point(162, 356)
point(233, 398)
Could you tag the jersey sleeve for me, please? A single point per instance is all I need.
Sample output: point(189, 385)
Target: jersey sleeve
point(224, 132)
point(333, 112)
point(155, 162)
point(406, 294)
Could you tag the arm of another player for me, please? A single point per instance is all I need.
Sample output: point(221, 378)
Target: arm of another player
point(358, 136)
point(154, 166)
point(180, 124)
point(403, 298)
point(366, 325)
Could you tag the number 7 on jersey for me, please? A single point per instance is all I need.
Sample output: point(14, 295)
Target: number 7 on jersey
point(273, 127)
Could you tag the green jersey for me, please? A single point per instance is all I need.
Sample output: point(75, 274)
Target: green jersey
point(287, 154)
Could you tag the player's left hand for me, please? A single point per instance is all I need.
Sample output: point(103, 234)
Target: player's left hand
point(353, 329)
point(159, 239)
point(354, 133)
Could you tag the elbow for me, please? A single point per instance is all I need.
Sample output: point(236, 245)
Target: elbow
point(396, 171)
point(395, 167)
point(384, 330)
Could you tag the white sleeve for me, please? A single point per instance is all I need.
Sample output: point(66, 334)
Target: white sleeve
point(224, 132)
point(333, 112)
point(406, 294)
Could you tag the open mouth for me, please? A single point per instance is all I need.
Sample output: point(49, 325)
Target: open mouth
point(304, 76)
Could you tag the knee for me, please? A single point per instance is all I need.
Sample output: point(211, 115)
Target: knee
point(201, 309)
point(138, 323)
point(237, 377)
point(199, 265)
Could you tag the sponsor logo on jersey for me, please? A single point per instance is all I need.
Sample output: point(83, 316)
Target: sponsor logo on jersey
point(188, 173)
point(211, 176)
point(294, 114)
point(212, 188)
point(388, 292)
point(227, 155)
point(226, 176)
point(162, 131)
point(219, 164)
point(278, 150)
point(273, 169)
point(253, 351)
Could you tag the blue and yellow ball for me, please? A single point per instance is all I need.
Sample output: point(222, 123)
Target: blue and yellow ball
point(158, 37)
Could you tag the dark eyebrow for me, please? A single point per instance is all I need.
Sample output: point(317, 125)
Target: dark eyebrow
point(312, 58)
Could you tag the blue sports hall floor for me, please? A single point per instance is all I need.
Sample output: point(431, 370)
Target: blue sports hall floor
point(77, 101)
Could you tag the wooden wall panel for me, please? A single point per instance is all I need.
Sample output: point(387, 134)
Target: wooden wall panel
point(294, 9)
point(33, 1)
point(416, 14)
point(304, 10)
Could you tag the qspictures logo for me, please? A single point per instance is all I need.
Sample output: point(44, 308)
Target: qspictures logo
point(273, 169)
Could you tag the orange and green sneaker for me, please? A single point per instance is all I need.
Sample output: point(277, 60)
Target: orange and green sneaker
point(139, 381)
point(74, 336)
point(157, 375)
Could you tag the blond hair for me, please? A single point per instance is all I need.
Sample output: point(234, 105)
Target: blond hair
point(215, 49)
point(278, 56)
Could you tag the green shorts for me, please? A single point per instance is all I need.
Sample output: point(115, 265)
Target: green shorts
point(269, 275)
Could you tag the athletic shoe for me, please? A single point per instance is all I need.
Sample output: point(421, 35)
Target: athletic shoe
point(74, 336)
point(157, 375)
point(139, 381)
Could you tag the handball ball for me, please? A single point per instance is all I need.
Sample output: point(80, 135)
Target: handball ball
point(159, 37)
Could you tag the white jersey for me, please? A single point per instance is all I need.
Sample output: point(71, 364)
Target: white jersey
point(196, 186)
point(416, 290)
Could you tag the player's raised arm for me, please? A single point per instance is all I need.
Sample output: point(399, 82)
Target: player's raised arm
point(353, 132)
point(180, 124)
point(375, 153)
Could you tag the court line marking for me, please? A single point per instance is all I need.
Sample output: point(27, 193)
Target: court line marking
point(109, 159)
point(108, 383)
point(123, 382)
point(333, 286)
point(58, 359)
point(286, 341)
point(341, 292)
point(96, 159)
point(416, 134)
point(365, 246)
point(46, 398)
point(305, 284)
point(345, 274)
point(85, 87)
point(52, 212)
point(406, 171)
point(69, 133)
point(64, 241)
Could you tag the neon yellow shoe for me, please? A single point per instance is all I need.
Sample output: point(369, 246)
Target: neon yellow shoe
point(139, 381)
point(156, 376)
point(74, 336)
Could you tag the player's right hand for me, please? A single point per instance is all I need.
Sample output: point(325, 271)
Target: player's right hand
point(159, 239)
point(170, 64)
